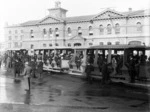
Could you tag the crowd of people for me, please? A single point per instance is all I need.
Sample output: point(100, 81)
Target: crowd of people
point(22, 63)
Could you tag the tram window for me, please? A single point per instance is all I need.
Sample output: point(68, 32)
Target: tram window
point(134, 52)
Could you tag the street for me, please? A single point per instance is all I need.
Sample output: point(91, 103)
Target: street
point(66, 93)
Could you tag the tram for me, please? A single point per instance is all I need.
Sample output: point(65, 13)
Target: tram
point(121, 52)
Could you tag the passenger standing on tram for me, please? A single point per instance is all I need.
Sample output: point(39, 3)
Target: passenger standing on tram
point(88, 69)
point(131, 68)
point(100, 62)
point(106, 70)
point(40, 68)
point(77, 61)
point(114, 65)
point(137, 65)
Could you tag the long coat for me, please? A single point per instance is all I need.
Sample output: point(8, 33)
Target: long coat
point(40, 67)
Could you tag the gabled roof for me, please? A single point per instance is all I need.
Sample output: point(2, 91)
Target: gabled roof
point(115, 14)
point(33, 22)
point(89, 17)
point(77, 37)
point(50, 17)
point(79, 18)
point(134, 13)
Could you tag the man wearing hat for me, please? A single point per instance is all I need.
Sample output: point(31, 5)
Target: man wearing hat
point(27, 74)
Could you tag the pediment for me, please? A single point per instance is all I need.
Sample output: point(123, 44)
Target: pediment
point(50, 19)
point(77, 38)
point(108, 14)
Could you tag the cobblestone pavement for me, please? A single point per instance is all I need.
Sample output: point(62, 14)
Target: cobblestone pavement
point(64, 93)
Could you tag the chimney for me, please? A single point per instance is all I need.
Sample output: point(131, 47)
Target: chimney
point(130, 9)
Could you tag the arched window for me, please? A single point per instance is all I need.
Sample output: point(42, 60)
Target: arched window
point(31, 34)
point(50, 45)
point(50, 32)
point(44, 32)
point(56, 44)
point(79, 31)
point(117, 28)
point(16, 31)
point(117, 43)
point(90, 44)
point(108, 43)
point(32, 46)
point(90, 30)
point(77, 44)
point(69, 44)
point(9, 32)
point(101, 43)
point(56, 32)
point(109, 29)
point(44, 45)
point(69, 31)
point(101, 29)
point(139, 26)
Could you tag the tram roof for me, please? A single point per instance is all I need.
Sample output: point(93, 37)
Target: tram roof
point(121, 47)
point(13, 49)
point(49, 48)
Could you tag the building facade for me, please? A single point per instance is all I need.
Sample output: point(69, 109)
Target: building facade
point(107, 27)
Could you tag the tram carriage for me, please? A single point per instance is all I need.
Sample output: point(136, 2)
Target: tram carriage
point(110, 51)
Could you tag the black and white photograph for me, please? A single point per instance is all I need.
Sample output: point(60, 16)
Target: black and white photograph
point(74, 55)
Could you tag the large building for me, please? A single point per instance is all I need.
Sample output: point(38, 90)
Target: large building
point(106, 27)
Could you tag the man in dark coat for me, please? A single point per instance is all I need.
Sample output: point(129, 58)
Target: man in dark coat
point(131, 69)
point(32, 64)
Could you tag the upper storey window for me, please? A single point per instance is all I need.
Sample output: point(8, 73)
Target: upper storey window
point(16, 31)
point(56, 32)
point(109, 29)
point(79, 31)
point(69, 31)
point(117, 28)
point(21, 31)
point(9, 32)
point(31, 34)
point(101, 29)
point(44, 32)
point(50, 32)
point(139, 26)
point(90, 30)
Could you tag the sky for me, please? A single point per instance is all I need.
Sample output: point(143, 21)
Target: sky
point(18, 11)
